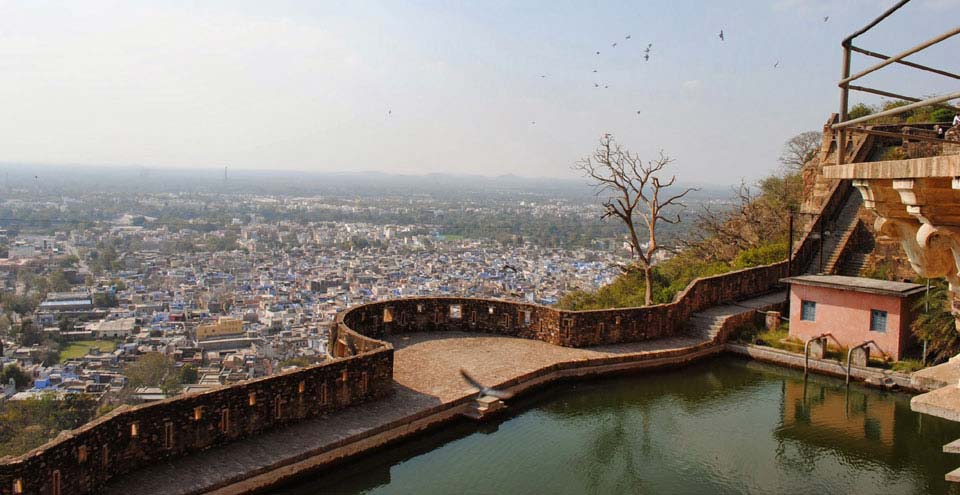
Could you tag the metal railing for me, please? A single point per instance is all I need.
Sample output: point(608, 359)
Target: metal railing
point(846, 124)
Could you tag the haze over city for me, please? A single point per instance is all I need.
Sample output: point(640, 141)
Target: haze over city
point(491, 88)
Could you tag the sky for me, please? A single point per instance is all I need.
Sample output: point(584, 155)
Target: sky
point(492, 87)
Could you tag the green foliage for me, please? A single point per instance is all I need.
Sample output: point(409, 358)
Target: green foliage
point(761, 255)
point(301, 361)
point(27, 424)
point(935, 323)
point(860, 110)
point(105, 300)
point(20, 377)
point(942, 115)
point(150, 370)
point(907, 365)
point(893, 153)
point(80, 348)
point(883, 270)
point(189, 374)
point(226, 243)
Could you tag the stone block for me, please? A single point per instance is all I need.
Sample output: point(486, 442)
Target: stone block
point(772, 320)
point(860, 356)
point(817, 348)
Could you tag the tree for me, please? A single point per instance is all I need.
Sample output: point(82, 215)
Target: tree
point(20, 377)
point(150, 370)
point(189, 374)
point(935, 323)
point(635, 196)
point(800, 149)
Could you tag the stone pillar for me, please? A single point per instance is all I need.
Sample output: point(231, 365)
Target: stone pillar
point(817, 348)
point(772, 320)
point(860, 357)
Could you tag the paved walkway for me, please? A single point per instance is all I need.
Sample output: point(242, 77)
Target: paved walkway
point(426, 374)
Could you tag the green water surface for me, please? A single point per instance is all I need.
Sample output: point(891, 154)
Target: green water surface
point(722, 426)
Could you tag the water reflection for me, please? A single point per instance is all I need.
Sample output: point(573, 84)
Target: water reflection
point(726, 426)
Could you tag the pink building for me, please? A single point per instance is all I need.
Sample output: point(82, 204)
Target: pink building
point(853, 310)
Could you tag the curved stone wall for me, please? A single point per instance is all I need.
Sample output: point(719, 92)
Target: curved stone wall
point(82, 460)
point(555, 326)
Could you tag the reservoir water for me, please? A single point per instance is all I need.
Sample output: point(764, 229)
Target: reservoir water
point(724, 426)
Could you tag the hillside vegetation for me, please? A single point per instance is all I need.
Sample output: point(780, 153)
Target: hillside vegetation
point(751, 231)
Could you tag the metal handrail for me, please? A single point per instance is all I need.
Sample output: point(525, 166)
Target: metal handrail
point(844, 123)
point(850, 353)
point(806, 350)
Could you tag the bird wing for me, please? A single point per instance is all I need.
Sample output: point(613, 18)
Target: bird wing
point(500, 394)
point(471, 380)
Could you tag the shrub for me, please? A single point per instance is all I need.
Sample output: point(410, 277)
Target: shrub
point(860, 110)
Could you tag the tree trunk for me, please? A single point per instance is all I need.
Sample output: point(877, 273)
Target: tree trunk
point(648, 285)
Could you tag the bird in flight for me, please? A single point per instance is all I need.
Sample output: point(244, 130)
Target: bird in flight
point(721, 35)
point(826, 18)
point(776, 64)
point(646, 57)
point(627, 37)
point(533, 122)
point(605, 86)
point(638, 112)
point(543, 75)
point(483, 389)
point(596, 85)
point(594, 71)
point(598, 53)
point(389, 112)
point(614, 45)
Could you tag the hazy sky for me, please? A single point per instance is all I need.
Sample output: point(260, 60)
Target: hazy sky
point(435, 86)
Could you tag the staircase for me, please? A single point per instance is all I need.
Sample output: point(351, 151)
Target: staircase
point(836, 235)
point(853, 265)
point(707, 324)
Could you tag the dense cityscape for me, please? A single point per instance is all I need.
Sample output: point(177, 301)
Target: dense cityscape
point(255, 293)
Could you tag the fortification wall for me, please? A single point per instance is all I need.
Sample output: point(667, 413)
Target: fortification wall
point(83, 459)
point(555, 326)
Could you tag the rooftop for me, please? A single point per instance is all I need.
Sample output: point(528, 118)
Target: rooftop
point(859, 284)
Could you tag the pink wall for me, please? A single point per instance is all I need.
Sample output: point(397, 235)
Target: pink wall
point(846, 315)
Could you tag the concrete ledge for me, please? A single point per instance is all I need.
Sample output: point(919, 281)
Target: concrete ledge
point(935, 166)
point(870, 376)
point(943, 403)
point(411, 425)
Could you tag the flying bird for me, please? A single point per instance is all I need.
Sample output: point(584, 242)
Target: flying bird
point(594, 71)
point(776, 64)
point(826, 18)
point(649, 46)
point(533, 122)
point(646, 57)
point(483, 389)
point(389, 112)
point(638, 112)
point(605, 86)
point(721, 35)
point(614, 45)
point(596, 85)
point(598, 53)
point(627, 37)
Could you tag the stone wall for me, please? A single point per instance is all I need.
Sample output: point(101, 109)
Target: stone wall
point(82, 460)
point(558, 327)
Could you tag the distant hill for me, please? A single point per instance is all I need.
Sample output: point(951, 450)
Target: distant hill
point(72, 179)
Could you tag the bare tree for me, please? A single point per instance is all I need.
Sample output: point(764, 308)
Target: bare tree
point(636, 195)
point(799, 149)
